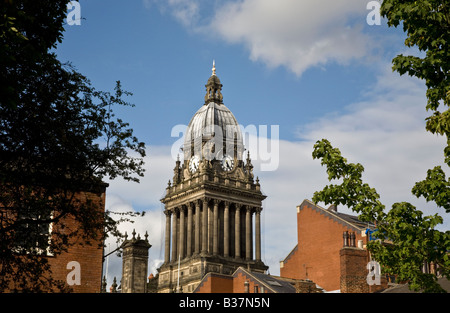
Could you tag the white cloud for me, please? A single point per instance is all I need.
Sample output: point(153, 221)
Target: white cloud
point(158, 164)
point(291, 33)
point(185, 11)
point(295, 34)
point(386, 133)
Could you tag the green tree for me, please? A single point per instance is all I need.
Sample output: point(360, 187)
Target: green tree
point(407, 239)
point(427, 25)
point(412, 237)
point(58, 136)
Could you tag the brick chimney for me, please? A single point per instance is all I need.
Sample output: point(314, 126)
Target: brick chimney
point(353, 266)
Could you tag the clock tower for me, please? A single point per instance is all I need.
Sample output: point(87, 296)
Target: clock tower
point(213, 203)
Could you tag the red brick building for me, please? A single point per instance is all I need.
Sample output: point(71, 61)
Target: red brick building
point(317, 256)
point(89, 256)
point(80, 267)
point(245, 281)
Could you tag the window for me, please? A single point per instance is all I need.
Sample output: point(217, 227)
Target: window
point(33, 233)
point(274, 283)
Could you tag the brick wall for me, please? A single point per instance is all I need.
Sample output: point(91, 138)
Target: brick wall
point(306, 286)
point(353, 270)
point(243, 284)
point(319, 242)
point(239, 283)
point(86, 257)
point(89, 256)
point(216, 283)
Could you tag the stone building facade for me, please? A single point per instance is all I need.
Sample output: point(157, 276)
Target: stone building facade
point(135, 264)
point(213, 203)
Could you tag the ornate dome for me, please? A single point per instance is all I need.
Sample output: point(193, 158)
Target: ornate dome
point(213, 130)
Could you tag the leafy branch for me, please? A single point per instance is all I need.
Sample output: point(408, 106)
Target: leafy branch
point(406, 238)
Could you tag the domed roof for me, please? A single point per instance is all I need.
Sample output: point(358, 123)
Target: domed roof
point(213, 123)
point(210, 119)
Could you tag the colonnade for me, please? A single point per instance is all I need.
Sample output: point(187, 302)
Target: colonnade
point(212, 227)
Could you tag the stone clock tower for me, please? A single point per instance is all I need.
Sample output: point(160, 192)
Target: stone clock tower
point(213, 203)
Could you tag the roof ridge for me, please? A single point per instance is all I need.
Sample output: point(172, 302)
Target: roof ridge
point(331, 214)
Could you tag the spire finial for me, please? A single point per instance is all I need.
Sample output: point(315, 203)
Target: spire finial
point(214, 68)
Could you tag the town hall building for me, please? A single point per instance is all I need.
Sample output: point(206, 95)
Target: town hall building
point(213, 203)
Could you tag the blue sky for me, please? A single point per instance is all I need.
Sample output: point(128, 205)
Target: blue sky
point(314, 68)
point(166, 64)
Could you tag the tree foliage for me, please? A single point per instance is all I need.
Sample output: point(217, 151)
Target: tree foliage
point(427, 26)
point(412, 238)
point(407, 239)
point(59, 136)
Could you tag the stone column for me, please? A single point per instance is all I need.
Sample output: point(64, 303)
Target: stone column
point(197, 227)
point(226, 229)
point(216, 228)
point(258, 234)
point(189, 231)
point(182, 243)
point(174, 235)
point(167, 237)
point(237, 232)
point(210, 230)
point(205, 226)
point(248, 233)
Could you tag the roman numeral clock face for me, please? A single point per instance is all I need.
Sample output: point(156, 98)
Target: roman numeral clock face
point(227, 163)
point(193, 163)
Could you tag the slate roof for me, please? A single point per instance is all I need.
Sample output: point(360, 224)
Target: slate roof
point(404, 288)
point(271, 284)
point(348, 220)
point(275, 284)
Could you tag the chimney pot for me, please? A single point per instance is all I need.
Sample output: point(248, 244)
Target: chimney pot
point(345, 237)
point(352, 239)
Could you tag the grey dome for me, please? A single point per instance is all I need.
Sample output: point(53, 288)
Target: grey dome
point(213, 128)
point(209, 119)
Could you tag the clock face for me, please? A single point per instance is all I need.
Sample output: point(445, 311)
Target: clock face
point(227, 163)
point(193, 163)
